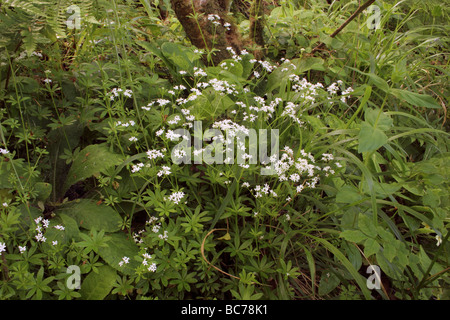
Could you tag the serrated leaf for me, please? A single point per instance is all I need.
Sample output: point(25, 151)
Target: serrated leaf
point(96, 286)
point(91, 160)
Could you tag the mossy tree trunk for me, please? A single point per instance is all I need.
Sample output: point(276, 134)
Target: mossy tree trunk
point(204, 33)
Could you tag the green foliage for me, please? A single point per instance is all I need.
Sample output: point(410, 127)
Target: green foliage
point(88, 139)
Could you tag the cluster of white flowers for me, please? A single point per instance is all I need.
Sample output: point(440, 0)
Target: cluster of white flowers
point(151, 220)
point(176, 197)
point(137, 167)
point(149, 106)
point(345, 93)
point(125, 260)
point(287, 65)
point(137, 236)
point(199, 72)
point(164, 236)
point(165, 170)
point(2, 247)
point(151, 267)
point(234, 55)
point(214, 18)
point(291, 110)
point(265, 190)
point(307, 90)
point(154, 154)
point(125, 124)
point(39, 228)
point(115, 92)
point(334, 88)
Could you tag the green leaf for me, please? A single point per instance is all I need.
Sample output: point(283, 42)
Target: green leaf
point(97, 286)
point(119, 246)
point(371, 246)
point(93, 159)
point(370, 138)
point(353, 235)
point(378, 119)
point(179, 55)
point(389, 251)
point(43, 190)
point(366, 225)
point(328, 282)
point(348, 194)
point(90, 215)
point(415, 99)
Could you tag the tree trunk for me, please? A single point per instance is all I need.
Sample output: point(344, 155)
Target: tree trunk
point(257, 22)
point(205, 31)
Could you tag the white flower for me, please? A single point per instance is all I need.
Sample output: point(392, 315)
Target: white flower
point(159, 132)
point(439, 240)
point(182, 72)
point(152, 267)
point(177, 196)
point(2, 247)
point(147, 256)
point(45, 223)
point(128, 93)
point(165, 236)
point(136, 167)
point(153, 154)
point(59, 227)
point(54, 242)
point(133, 139)
point(4, 151)
point(164, 171)
point(40, 237)
point(5, 204)
point(22, 249)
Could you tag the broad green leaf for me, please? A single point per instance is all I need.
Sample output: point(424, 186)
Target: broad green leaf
point(415, 99)
point(366, 225)
point(348, 194)
point(90, 215)
point(328, 282)
point(370, 138)
point(92, 160)
point(371, 246)
point(43, 190)
point(378, 119)
point(389, 251)
point(178, 54)
point(119, 246)
point(96, 286)
point(353, 235)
